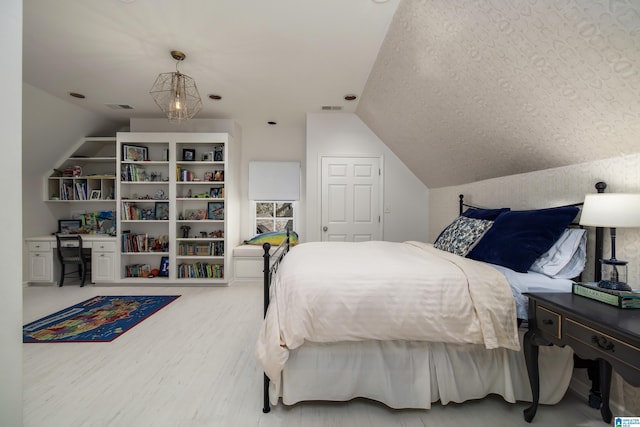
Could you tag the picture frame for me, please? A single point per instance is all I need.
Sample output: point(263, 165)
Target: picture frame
point(207, 157)
point(164, 267)
point(69, 226)
point(218, 154)
point(95, 195)
point(134, 153)
point(218, 175)
point(161, 210)
point(208, 176)
point(216, 193)
point(215, 210)
point(188, 154)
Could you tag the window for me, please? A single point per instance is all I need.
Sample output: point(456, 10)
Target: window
point(274, 216)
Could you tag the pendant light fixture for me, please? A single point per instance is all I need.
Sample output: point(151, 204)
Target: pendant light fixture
point(176, 94)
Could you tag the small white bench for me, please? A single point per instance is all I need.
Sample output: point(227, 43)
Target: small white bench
point(248, 261)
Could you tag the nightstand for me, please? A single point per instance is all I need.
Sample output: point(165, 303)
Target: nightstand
point(594, 330)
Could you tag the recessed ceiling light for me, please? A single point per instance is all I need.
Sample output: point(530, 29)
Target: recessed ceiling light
point(272, 123)
point(380, 1)
point(215, 97)
point(77, 95)
point(350, 97)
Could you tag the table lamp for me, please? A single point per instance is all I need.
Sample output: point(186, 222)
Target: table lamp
point(613, 210)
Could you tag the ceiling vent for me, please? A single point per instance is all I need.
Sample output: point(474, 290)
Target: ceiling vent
point(331, 108)
point(119, 106)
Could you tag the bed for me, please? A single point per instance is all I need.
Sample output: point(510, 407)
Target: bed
point(408, 324)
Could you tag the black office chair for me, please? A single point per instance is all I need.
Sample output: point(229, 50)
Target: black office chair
point(70, 251)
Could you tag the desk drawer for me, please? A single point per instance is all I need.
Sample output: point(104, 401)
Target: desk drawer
point(602, 342)
point(39, 246)
point(104, 246)
point(549, 321)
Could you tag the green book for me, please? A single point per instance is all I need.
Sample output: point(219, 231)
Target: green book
point(621, 299)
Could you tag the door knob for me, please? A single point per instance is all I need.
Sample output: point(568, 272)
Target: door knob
point(325, 228)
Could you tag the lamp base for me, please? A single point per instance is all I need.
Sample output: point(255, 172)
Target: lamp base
point(614, 275)
point(616, 286)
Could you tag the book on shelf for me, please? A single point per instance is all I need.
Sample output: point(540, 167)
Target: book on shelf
point(81, 190)
point(132, 173)
point(620, 299)
point(137, 270)
point(200, 270)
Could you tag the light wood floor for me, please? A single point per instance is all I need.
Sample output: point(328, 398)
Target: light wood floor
point(192, 364)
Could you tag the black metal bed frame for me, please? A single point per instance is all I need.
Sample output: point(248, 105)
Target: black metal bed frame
point(272, 263)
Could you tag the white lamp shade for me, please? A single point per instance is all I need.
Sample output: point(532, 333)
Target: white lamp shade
point(616, 210)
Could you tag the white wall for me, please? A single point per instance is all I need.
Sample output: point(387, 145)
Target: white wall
point(282, 142)
point(556, 187)
point(10, 175)
point(405, 197)
point(51, 127)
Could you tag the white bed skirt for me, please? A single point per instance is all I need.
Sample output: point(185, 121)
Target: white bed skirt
point(405, 374)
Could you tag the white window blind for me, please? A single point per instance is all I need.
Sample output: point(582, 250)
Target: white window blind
point(274, 180)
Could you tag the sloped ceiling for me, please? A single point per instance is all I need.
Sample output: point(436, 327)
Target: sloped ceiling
point(466, 90)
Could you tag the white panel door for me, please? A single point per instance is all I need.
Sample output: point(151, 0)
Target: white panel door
point(351, 199)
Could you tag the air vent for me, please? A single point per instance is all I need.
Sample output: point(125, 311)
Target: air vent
point(119, 106)
point(331, 108)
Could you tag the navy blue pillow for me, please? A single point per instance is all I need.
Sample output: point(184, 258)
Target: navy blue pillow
point(518, 238)
point(488, 214)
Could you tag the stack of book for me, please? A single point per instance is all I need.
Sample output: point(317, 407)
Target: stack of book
point(132, 173)
point(620, 299)
point(201, 270)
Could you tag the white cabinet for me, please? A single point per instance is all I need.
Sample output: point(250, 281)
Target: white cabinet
point(172, 220)
point(103, 261)
point(44, 266)
point(40, 261)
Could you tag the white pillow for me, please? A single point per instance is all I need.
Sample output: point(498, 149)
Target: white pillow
point(566, 258)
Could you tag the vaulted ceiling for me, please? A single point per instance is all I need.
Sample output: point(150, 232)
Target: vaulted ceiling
point(460, 90)
point(464, 90)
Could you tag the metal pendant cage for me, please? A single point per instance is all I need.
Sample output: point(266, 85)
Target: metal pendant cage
point(177, 96)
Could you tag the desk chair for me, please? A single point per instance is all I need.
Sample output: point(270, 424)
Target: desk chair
point(70, 251)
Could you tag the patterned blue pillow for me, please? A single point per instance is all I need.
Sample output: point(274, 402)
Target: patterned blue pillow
point(460, 236)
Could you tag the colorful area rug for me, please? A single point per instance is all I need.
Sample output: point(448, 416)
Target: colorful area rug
point(99, 319)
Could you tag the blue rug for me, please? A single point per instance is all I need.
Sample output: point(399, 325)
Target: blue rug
point(99, 319)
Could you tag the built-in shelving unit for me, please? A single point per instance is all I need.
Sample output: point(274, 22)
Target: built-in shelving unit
point(87, 175)
point(172, 207)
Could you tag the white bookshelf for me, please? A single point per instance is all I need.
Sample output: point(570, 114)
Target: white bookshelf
point(172, 206)
point(87, 174)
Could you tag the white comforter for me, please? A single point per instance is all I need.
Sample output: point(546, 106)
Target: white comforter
point(331, 292)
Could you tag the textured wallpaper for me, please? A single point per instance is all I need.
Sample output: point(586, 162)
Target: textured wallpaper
point(556, 187)
point(465, 90)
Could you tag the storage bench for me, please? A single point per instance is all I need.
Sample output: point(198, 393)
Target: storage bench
point(248, 261)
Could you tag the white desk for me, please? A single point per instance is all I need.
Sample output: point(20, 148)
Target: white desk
point(44, 265)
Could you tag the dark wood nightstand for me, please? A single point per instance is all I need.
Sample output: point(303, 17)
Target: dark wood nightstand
point(593, 329)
